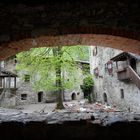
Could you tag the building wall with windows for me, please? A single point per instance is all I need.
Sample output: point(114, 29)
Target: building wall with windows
point(108, 89)
point(26, 94)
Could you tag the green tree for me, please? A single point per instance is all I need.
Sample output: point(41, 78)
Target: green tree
point(87, 87)
point(51, 64)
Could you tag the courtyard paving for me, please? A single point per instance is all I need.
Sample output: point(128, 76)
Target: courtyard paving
point(72, 106)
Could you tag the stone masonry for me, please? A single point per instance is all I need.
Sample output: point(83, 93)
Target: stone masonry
point(24, 26)
point(26, 94)
point(110, 85)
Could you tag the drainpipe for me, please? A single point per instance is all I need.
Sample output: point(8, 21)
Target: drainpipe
point(117, 65)
point(14, 82)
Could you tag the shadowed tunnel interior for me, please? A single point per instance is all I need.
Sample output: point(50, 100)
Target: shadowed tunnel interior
point(68, 130)
point(112, 24)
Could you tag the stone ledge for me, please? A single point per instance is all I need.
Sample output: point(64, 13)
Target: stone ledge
point(63, 116)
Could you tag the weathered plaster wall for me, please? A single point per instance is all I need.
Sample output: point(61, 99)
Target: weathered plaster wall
point(26, 88)
point(110, 83)
point(32, 94)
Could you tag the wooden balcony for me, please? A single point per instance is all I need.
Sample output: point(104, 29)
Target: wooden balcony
point(12, 90)
point(128, 74)
point(123, 75)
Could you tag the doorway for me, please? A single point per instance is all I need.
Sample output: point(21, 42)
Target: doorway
point(105, 97)
point(73, 96)
point(40, 96)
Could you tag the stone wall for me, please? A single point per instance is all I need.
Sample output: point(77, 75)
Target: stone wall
point(78, 94)
point(26, 88)
point(68, 125)
point(110, 84)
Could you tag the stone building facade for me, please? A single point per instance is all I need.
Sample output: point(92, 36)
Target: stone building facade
point(26, 94)
point(7, 88)
point(116, 75)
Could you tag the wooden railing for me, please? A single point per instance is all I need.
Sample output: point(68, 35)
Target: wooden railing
point(128, 74)
point(2, 94)
point(134, 76)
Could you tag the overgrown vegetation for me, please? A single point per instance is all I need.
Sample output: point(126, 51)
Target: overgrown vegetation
point(87, 87)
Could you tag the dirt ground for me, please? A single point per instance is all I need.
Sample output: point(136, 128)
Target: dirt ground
point(73, 106)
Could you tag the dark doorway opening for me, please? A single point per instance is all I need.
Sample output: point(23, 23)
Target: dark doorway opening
point(73, 96)
point(40, 96)
point(105, 97)
point(133, 64)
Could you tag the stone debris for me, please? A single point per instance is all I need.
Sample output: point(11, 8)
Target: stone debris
point(83, 106)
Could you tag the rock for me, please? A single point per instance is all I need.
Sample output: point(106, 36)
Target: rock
point(60, 116)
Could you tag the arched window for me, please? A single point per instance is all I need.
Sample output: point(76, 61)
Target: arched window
point(95, 51)
point(122, 93)
point(110, 67)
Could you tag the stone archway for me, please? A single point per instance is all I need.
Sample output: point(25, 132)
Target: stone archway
point(73, 96)
point(102, 23)
point(125, 44)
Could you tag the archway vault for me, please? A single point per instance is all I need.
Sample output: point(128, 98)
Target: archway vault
point(125, 44)
point(109, 23)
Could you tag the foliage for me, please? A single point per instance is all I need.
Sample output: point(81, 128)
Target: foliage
point(41, 62)
point(87, 87)
point(52, 69)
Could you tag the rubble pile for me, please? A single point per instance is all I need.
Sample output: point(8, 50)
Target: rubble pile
point(83, 106)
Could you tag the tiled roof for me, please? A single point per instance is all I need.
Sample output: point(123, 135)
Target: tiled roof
point(123, 56)
point(6, 73)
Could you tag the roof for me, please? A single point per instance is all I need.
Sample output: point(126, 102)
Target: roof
point(5, 73)
point(124, 56)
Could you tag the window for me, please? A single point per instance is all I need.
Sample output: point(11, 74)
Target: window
point(106, 69)
point(105, 97)
point(96, 72)
point(27, 78)
point(110, 67)
point(96, 95)
point(0, 82)
point(78, 93)
point(122, 93)
point(23, 96)
point(15, 60)
point(95, 51)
